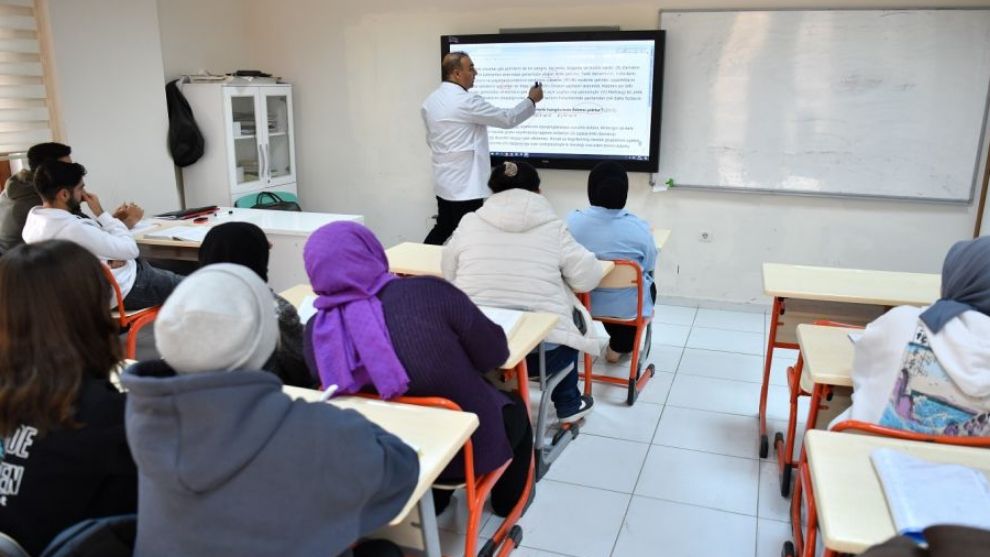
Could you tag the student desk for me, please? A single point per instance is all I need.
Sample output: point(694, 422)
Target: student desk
point(287, 230)
point(436, 434)
point(849, 499)
point(411, 258)
point(803, 294)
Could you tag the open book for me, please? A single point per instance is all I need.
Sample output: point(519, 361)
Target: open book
point(921, 493)
point(182, 233)
point(508, 319)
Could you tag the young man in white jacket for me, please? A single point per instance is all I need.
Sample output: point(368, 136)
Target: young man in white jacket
point(60, 185)
point(928, 369)
point(515, 252)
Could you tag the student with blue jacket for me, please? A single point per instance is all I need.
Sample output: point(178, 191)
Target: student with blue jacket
point(611, 232)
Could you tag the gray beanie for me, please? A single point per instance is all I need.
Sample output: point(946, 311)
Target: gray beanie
point(220, 318)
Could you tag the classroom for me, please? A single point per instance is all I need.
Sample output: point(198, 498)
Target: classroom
point(812, 379)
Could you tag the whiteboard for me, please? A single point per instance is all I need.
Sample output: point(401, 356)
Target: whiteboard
point(876, 103)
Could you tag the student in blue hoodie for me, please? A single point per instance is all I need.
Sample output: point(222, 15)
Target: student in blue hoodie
point(611, 232)
point(228, 465)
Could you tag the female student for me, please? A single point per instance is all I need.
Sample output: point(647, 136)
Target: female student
point(230, 465)
point(416, 336)
point(928, 369)
point(64, 455)
point(515, 252)
point(245, 244)
point(611, 232)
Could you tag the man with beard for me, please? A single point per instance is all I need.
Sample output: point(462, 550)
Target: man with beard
point(62, 190)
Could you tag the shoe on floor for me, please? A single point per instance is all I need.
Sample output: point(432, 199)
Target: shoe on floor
point(586, 404)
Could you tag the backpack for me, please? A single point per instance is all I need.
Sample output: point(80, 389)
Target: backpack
point(185, 141)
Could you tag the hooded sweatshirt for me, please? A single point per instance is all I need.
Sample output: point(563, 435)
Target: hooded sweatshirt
point(228, 465)
point(514, 252)
point(105, 237)
point(906, 377)
point(16, 200)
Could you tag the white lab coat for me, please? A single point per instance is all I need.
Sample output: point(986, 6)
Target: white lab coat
point(457, 132)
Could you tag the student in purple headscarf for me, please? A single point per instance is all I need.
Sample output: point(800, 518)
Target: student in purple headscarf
point(928, 369)
point(416, 336)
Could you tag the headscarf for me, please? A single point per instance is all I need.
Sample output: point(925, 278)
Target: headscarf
point(965, 283)
point(347, 267)
point(608, 185)
point(236, 242)
point(220, 318)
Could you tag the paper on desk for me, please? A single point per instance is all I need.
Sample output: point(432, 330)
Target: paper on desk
point(183, 233)
point(505, 318)
point(306, 309)
point(921, 493)
point(854, 337)
point(143, 226)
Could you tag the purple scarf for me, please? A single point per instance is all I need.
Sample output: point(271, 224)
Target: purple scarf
point(347, 267)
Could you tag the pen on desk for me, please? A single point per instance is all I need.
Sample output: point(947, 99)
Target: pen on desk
point(328, 392)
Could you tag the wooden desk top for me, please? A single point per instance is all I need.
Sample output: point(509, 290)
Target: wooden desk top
point(660, 237)
point(287, 223)
point(436, 434)
point(829, 284)
point(851, 506)
point(528, 333)
point(828, 353)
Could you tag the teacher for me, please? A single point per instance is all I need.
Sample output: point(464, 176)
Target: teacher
point(457, 132)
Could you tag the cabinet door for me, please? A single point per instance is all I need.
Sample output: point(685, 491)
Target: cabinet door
point(279, 145)
point(245, 156)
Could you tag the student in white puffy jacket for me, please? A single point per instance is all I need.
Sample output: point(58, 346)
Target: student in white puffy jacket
point(515, 252)
point(928, 369)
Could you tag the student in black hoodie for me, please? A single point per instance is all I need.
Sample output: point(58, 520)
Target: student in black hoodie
point(63, 451)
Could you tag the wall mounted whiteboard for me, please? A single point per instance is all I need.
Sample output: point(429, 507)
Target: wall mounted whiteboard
point(874, 103)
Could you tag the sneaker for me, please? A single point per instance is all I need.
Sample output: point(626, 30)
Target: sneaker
point(586, 403)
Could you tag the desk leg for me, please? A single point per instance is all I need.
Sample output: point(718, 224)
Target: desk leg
point(428, 526)
point(765, 386)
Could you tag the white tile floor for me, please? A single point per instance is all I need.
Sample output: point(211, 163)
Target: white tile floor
point(676, 475)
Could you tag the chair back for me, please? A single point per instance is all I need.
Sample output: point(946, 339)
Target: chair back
point(118, 295)
point(10, 548)
point(883, 431)
point(626, 274)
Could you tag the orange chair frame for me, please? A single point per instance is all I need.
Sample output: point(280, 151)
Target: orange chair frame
point(805, 542)
point(785, 447)
point(478, 488)
point(638, 377)
point(133, 322)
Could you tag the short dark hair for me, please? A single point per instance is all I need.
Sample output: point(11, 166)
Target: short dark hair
point(514, 175)
point(451, 62)
point(43, 152)
point(55, 330)
point(54, 176)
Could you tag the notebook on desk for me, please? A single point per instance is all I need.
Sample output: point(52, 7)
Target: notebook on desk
point(920, 493)
point(508, 319)
point(182, 214)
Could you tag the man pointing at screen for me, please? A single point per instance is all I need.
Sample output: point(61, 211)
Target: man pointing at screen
point(457, 132)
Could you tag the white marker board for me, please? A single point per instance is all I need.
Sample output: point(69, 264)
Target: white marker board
point(875, 103)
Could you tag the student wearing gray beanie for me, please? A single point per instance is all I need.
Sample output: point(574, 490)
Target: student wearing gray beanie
point(611, 232)
point(228, 464)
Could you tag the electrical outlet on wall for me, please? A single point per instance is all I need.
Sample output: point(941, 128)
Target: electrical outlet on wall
point(705, 236)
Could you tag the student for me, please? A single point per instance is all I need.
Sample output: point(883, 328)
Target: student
point(19, 195)
point(245, 244)
point(928, 369)
point(62, 191)
point(230, 465)
point(515, 252)
point(63, 452)
point(418, 336)
point(612, 232)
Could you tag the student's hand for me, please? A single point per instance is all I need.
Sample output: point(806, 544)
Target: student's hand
point(115, 264)
point(536, 93)
point(93, 202)
point(134, 215)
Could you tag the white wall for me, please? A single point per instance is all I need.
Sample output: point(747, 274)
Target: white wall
point(361, 71)
point(108, 72)
point(211, 35)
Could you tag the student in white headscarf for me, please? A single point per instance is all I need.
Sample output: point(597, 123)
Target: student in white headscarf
point(928, 369)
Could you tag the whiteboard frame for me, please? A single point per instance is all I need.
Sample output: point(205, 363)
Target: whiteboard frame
point(877, 197)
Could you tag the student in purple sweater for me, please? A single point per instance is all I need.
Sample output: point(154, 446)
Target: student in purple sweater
point(418, 337)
